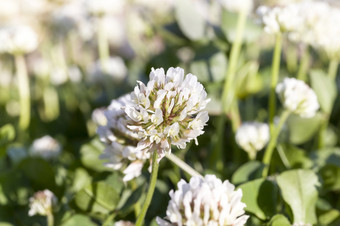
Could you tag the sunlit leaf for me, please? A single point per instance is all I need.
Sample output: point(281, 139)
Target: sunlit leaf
point(298, 188)
point(260, 196)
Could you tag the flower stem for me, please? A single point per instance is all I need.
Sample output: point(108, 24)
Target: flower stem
point(151, 190)
point(24, 92)
point(304, 64)
point(333, 68)
point(188, 169)
point(275, 78)
point(50, 219)
point(291, 58)
point(227, 95)
point(272, 143)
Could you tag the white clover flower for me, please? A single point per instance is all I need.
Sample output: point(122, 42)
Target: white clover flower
point(124, 223)
point(104, 7)
point(121, 142)
point(297, 97)
point(45, 147)
point(205, 201)
point(252, 137)
point(238, 6)
point(280, 18)
point(17, 39)
point(68, 17)
point(113, 67)
point(42, 203)
point(168, 110)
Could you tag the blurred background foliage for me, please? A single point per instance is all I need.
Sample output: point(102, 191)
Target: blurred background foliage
point(67, 83)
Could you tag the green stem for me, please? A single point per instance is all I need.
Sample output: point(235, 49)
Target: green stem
point(291, 58)
point(304, 64)
point(24, 92)
point(228, 92)
point(235, 116)
point(227, 95)
point(151, 190)
point(333, 68)
point(272, 143)
point(188, 169)
point(103, 45)
point(50, 219)
point(332, 72)
point(275, 78)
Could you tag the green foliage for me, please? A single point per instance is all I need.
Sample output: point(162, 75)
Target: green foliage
point(97, 198)
point(302, 130)
point(260, 197)
point(325, 89)
point(299, 190)
point(248, 171)
point(279, 220)
point(189, 20)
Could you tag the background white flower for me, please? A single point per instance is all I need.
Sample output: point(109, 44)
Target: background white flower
point(45, 147)
point(205, 201)
point(238, 6)
point(17, 39)
point(168, 110)
point(252, 137)
point(42, 203)
point(298, 97)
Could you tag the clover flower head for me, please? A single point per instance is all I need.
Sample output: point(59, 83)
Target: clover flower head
point(17, 39)
point(238, 6)
point(124, 223)
point(280, 19)
point(205, 201)
point(167, 110)
point(101, 8)
point(121, 143)
point(42, 203)
point(252, 137)
point(45, 147)
point(298, 97)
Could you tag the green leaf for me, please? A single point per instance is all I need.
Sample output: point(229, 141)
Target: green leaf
point(7, 134)
point(260, 196)
point(229, 25)
point(297, 157)
point(132, 200)
point(210, 68)
point(279, 220)
point(325, 89)
point(81, 178)
point(248, 171)
point(79, 219)
point(331, 177)
point(331, 217)
point(302, 129)
point(97, 198)
point(299, 191)
point(39, 172)
point(189, 20)
point(90, 153)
